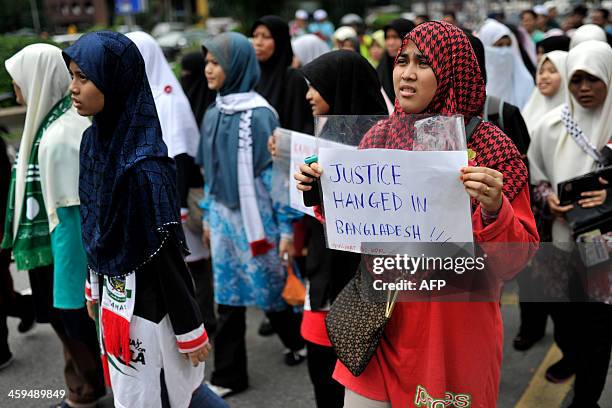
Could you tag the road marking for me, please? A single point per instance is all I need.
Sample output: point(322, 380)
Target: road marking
point(540, 392)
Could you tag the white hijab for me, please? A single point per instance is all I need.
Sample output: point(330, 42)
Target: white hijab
point(553, 155)
point(588, 32)
point(307, 47)
point(41, 73)
point(538, 104)
point(179, 128)
point(507, 76)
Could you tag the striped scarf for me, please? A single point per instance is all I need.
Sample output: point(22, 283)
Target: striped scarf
point(32, 243)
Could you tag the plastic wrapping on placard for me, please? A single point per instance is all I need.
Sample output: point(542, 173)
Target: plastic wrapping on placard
point(345, 129)
point(440, 133)
point(281, 174)
point(422, 132)
point(430, 132)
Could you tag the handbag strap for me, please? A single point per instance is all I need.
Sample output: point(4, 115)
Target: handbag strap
point(578, 136)
point(391, 300)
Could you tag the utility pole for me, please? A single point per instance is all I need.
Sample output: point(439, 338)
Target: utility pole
point(202, 11)
point(35, 16)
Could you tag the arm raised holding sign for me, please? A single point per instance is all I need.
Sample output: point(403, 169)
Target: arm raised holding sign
point(314, 170)
point(485, 185)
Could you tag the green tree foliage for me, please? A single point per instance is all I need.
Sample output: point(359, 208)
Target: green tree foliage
point(9, 46)
point(17, 14)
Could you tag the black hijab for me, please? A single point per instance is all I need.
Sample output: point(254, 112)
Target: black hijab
point(194, 84)
point(385, 68)
point(273, 70)
point(350, 86)
point(479, 50)
point(280, 84)
point(555, 43)
point(531, 67)
point(347, 82)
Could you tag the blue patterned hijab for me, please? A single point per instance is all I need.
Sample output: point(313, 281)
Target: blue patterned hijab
point(127, 185)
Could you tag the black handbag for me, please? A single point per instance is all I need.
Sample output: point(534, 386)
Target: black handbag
point(583, 220)
point(355, 324)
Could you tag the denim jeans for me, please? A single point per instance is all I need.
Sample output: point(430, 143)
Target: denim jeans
point(204, 397)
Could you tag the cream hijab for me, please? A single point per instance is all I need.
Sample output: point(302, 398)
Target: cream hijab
point(553, 155)
point(180, 131)
point(588, 32)
point(539, 105)
point(40, 71)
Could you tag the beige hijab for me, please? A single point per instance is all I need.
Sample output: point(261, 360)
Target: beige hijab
point(539, 105)
point(588, 32)
point(40, 71)
point(553, 155)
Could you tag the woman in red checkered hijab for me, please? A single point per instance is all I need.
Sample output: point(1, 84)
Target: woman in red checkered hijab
point(441, 353)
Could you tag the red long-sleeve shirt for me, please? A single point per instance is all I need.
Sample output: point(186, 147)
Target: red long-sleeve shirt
point(443, 351)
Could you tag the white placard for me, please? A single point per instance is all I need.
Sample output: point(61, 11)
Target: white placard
point(393, 196)
point(302, 146)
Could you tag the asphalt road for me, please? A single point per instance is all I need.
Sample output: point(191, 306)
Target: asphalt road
point(38, 365)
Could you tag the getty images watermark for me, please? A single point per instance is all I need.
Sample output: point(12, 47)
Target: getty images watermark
point(404, 269)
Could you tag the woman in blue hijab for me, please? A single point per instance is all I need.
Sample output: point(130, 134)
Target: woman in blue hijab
point(247, 229)
point(131, 230)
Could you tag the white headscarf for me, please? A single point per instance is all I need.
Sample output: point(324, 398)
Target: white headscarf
point(553, 155)
point(507, 76)
point(308, 47)
point(41, 73)
point(179, 128)
point(344, 33)
point(538, 104)
point(588, 32)
point(556, 156)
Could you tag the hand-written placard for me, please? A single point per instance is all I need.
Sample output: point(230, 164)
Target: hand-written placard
point(380, 195)
point(302, 146)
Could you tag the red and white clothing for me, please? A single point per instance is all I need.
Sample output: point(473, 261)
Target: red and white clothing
point(165, 324)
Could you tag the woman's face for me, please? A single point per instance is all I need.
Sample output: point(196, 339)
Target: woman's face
point(18, 95)
point(86, 97)
point(215, 76)
point(393, 42)
point(263, 43)
point(505, 41)
point(528, 22)
point(413, 79)
point(548, 79)
point(317, 103)
point(588, 90)
point(376, 51)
